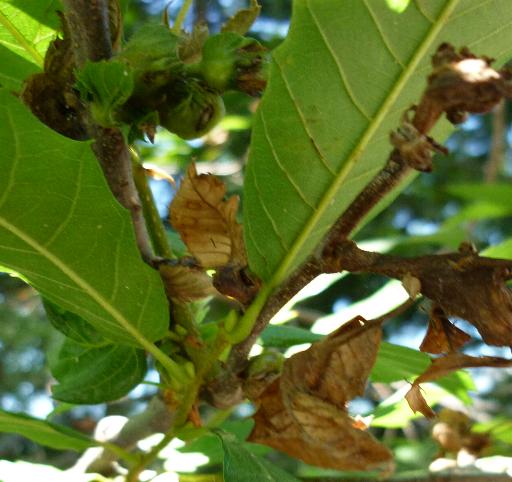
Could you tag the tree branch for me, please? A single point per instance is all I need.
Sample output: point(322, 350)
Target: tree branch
point(451, 89)
point(89, 29)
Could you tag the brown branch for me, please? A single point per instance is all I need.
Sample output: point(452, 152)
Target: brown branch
point(88, 22)
point(453, 89)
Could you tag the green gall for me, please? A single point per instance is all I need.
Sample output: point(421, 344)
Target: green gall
point(197, 112)
point(233, 62)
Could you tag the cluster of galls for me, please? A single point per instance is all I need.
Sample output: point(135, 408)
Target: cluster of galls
point(185, 98)
point(160, 78)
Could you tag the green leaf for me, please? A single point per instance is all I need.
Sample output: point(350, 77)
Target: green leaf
point(241, 465)
point(61, 228)
point(285, 336)
point(108, 84)
point(90, 375)
point(495, 193)
point(27, 27)
point(320, 137)
point(501, 250)
point(395, 362)
point(72, 325)
point(44, 433)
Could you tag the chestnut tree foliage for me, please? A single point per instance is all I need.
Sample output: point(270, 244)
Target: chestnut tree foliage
point(347, 111)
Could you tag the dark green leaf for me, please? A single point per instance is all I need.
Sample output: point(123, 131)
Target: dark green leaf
point(72, 325)
point(319, 138)
point(61, 228)
point(241, 465)
point(44, 433)
point(282, 336)
point(90, 375)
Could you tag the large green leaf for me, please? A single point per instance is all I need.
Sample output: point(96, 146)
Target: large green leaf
point(26, 29)
point(338, 85)
point(44, 433)
point(61, 228)
point(90, 375)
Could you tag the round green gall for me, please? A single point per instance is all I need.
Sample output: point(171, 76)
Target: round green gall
point(198, 111)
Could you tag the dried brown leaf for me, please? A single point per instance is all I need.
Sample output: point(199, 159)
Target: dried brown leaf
point(206, 222)
point(442, 335)
point(183, 283)
point(317, 433)
point(304, 412)
point(418, 403)
point(412, 285)
point(444, 366)
point(335, 369)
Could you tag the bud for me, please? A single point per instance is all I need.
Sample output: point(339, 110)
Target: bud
point(198, 110)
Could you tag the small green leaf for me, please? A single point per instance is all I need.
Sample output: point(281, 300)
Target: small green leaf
point(72, 325)
point(107, 85)
point(285, 336)
point(89, 375)
point(44, 433)
point(241, 465)
point(242, 21)
point(61, 228)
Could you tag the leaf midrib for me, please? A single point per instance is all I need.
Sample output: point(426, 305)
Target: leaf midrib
point(281, 273)
point(77, 279)
point(373, 126)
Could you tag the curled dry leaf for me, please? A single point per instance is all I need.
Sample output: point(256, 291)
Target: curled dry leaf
point(442, 335)
point(304, 412)
point(412, 285)
point(184, 283)
point(444, 366)
point(242, 21)
point(206, 222)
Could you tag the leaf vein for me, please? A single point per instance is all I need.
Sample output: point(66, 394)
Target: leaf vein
point(341, 70)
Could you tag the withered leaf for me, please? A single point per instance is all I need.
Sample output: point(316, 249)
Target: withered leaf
point(304, 412)
point(183, 283)
point(242, 21)
point(206, 222)
point(412, 285)
point(445, 365)
point(417, 402)
point(335, 369)
point(442, 335)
